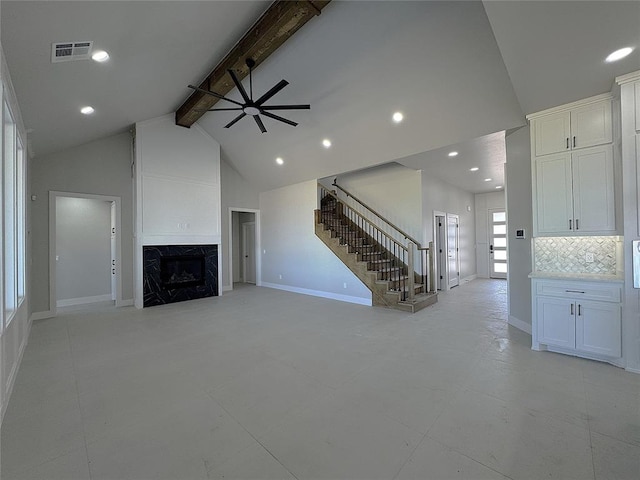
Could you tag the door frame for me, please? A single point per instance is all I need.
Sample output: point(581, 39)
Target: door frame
point(442, 283)
point(258, 256)
point(244, 248)
point(53, 198)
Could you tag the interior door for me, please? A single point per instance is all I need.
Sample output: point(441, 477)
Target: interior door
point(497, 243)
point(113, 250)
point(249, 252)
point(453, 260)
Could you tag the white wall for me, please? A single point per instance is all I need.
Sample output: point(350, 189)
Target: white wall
point(519, 216)
point(393, 190)
point(236, 193)
point(485, 202)
point(442, 197)
point(83, 248)
point(292, 250)
point(177, 189)
point(102, 167)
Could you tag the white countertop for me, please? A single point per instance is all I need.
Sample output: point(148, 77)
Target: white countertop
point(591, 277)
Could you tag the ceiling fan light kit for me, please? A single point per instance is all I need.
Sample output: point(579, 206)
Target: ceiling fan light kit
point(252, 107)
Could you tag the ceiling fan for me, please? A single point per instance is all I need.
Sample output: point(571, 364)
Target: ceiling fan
point(252, 107)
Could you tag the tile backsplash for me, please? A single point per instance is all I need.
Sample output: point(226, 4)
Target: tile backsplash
point(569, 254)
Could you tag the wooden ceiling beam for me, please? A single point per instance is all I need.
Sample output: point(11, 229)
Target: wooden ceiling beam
point(281, 20)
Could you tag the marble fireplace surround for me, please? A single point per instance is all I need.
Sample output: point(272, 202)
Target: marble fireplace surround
point(155, 289)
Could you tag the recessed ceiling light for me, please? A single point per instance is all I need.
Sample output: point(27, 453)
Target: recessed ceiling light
point(88, 110)
point(453, 154)
point(618, 54)
point(499, 186)
point(488, 179)
point(474, 169)
point(326, 143)
point(398, 117)
point(279, 161)
point(100, 56)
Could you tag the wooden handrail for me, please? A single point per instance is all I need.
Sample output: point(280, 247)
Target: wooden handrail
point(406, 235)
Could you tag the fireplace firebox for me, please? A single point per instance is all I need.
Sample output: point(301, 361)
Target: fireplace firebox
point(175, 273)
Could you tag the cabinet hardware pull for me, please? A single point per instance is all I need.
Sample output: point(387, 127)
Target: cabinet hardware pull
point(577, 224)
point(574, 141)
point(570, 225)
point(573, 291)
point(579, 309)
point(567, 143)
point(572, 309)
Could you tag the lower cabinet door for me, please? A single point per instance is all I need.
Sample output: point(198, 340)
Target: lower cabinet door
point(556, 322)
point(598, 328)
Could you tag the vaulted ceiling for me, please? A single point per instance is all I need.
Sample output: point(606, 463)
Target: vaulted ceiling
point(457, 70)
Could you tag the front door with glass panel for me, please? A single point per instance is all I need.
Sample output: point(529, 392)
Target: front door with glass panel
point(497, 244)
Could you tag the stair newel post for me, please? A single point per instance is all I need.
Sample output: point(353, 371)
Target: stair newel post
point(411, 280)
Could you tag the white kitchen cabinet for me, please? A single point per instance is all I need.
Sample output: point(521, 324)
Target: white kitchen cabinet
point(574, 192)
point(578, 318)
point(578, 127)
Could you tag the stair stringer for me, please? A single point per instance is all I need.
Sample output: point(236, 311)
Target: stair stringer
point(380, 295)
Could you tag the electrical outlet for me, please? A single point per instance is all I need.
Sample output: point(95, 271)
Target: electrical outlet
point(589, 257)
point(280, 276)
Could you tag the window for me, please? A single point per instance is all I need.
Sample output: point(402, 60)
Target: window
point(21, 219)
point(9, 213)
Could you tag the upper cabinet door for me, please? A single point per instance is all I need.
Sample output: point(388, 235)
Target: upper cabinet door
point(593, 190)
point(552, 133)
point(554, 199)
point(591, 125)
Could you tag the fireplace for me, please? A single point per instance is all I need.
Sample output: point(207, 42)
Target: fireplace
point(175, 273)
point(182, 271)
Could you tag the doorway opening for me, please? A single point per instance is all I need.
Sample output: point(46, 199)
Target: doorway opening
point(84, 250)
point(244, 247)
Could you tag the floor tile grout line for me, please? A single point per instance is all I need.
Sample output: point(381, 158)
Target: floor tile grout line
point(252, 436)
point(75, 378)
point(586, 402)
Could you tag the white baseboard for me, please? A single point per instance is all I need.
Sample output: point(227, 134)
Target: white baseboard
point(125, 303)
point(318, 293)
point(227, 288)
point(41, 315)
point(468, 279)
point(519, 324)
point(68, 302)
point(633, 370)
point(14, 371)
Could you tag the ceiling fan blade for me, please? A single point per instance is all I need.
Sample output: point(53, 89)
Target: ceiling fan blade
point(232, 122)
point(278, 86)
point(223, 109)
point(276, 117)
point(260, 124)
point(239, 85)
point(286, 107)
point(214, 94)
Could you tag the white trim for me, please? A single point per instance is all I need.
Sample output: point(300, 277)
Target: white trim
point(14, 371)
point(628, 78)
point(633, 370)
point(569, 106)
point(318, 293)
point(227, 288)
point(53, 195)
point(469, 279)
point(519, 324)
point(125, 303)
point(41, 315)
point(68, 302)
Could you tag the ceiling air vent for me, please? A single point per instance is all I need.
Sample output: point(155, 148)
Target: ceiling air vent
point(69, 51)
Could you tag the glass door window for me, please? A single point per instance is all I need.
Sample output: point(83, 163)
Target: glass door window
point(497, 244)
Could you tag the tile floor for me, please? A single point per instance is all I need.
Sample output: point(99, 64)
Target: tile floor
point(265, 384)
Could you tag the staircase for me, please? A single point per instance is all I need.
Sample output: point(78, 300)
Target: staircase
point(378, 253)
